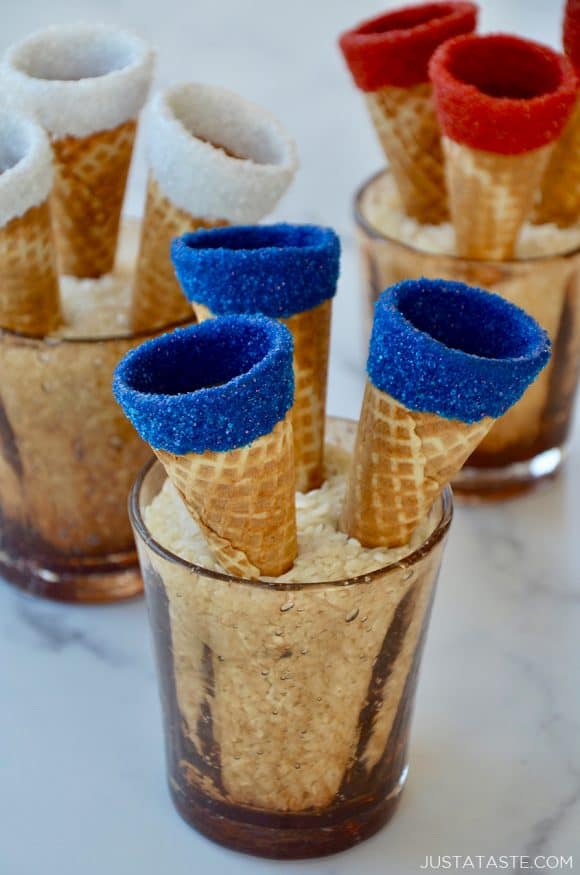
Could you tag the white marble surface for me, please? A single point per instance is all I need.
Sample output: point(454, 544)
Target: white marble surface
point(496, 752)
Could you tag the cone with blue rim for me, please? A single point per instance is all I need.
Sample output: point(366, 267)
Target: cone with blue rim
point(287, 272)
point(213, 401)
point(445, 361)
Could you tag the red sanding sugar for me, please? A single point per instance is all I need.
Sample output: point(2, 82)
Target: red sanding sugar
point(500, 93)
point(572, 32)
point(395, 48)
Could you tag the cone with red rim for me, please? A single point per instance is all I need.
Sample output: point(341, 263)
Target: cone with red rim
point(502, 102)
point(559, 200)
point(388, 57)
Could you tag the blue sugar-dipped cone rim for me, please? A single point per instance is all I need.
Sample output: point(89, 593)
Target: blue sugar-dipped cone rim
point(215, 386)
point(278, 270)
point(453, 350)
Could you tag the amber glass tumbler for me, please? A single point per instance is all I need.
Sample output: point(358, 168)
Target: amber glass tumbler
point(287, 707)
point(529, 442)
point(68, 458)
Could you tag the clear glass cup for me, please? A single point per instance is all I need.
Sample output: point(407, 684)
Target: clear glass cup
point(68, 457)
point(529, 442)
point(286, 707)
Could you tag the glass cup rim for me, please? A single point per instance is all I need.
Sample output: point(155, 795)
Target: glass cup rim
point(51, 341)
point(363, 223)
point(435, 537)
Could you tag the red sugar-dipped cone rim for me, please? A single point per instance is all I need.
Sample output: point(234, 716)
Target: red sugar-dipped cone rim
point(499, 93)
point(572, 32)
point(394, 48)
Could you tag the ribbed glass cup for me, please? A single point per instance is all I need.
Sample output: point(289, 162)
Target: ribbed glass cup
point(529, 442)
point(286, 707)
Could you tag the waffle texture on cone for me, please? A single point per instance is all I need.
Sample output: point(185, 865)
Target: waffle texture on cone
point(29, 292)
point(499, 93)
point(213, 401)
point(157, 297)
point(407, 128)
point(26, 173)
point(395, 48)
point(216, 155)
point(285, 271)
point(277, 270)
point(91, 174)
point(450, 349)
point(402, 462)
point(78, 78)
point(491, 195)
point(445, 360)
point(572, 32)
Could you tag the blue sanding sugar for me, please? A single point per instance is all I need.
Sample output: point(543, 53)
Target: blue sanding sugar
point(214, 386)
point(454, 350)
point(277, 270)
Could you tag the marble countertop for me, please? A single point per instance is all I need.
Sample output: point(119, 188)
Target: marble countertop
point(495, 759)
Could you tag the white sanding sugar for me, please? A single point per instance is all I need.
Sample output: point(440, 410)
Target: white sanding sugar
point(78, 78)
point(101, 307)
point(190, 128)
point(324, 553)
point(25, 165)
point(94, 307)
point(382, 208)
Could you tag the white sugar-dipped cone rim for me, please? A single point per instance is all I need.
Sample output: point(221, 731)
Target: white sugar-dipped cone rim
point(78, 79)
point(190, 130)
point(26, 171)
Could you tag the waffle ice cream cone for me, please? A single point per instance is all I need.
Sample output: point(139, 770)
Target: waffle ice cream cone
point(91, 175)
point(226, 442)
point(311, 333)
point(407, 127)
point(86, 85)
point(29, 291)
point(156, 288)
point(491, 197)
point(403, 460)
point(286, 272)
point(502, 103)
point(445, 361)
point(243, 501)
point(559, 200)
point(214, 159)
point(388, 57)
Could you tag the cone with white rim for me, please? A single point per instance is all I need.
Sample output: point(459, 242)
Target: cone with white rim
point(502, 103)
point(29, 291)
point(287, 272)
point(213, 401)
point(214, 159)
point(445, 361)
point(86, 85)
point(388, 57)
